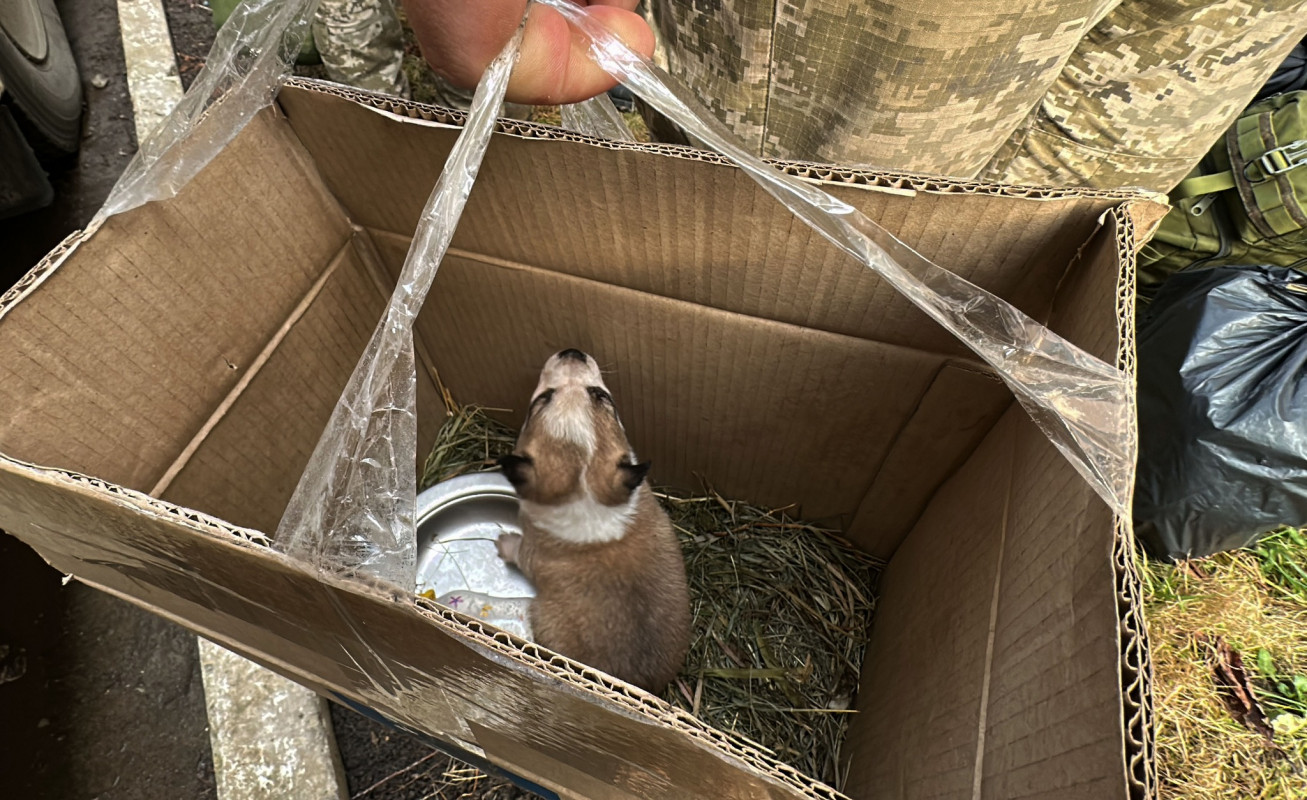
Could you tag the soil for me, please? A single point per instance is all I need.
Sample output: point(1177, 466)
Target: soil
point(191, 24)
point(104, 700)
point(385, 764)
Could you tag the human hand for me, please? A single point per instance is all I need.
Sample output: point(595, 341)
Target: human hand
point(459, 38)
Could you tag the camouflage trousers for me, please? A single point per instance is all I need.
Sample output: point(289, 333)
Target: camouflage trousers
point(1101, 93)
point(361, 43)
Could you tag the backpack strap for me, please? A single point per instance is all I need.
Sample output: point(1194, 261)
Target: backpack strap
point(1271, 163)
point(1204, 184)
point(1265, 171)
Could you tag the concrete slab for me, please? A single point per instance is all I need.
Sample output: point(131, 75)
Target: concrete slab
point(271, 738)
point(151, 64)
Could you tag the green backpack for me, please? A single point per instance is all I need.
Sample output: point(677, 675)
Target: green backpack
point(1246, 203)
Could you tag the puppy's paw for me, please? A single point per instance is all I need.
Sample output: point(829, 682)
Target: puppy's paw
point(508, 545)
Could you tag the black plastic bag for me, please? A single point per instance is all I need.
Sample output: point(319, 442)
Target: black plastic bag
point(1290, 76)
point(1222, 410)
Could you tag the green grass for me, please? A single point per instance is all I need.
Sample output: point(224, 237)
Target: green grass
point(1282, 557)
point(1256, 599)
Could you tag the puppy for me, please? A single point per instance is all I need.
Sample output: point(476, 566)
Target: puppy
point(608, 572)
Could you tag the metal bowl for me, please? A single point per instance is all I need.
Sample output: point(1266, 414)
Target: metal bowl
point(458, 521)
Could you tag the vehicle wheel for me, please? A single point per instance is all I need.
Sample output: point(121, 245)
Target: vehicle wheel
point(40, 77)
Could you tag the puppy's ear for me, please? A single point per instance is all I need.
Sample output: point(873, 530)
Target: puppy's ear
point(614, 487)
point(632, 475)
point(518, 469)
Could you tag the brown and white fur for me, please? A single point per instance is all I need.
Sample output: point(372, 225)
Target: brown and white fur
point(600, 551)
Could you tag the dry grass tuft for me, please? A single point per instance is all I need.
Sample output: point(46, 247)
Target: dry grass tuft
point(469, 441)
point(781, 610)
point(1257, 600)
point(781, 617)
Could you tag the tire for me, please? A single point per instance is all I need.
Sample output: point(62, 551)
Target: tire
point(45, 93)
point(24, 186)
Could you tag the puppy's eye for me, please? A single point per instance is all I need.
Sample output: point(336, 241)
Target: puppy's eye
point(598, 395)
point(542, 399)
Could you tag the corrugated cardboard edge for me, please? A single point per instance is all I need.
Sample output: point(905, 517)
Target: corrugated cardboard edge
point(43, 269)
point(1134, 220)
point(1148, 208)
point(570, 675)
point(894, 182)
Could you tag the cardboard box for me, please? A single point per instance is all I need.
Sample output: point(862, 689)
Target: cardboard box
point(166, 378)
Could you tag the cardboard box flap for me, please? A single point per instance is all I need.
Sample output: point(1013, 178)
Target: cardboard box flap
point(417, 663)
point(680, 223)
point(118, 366)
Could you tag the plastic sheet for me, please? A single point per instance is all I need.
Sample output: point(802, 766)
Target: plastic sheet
point(251, 55)
point(597, 117)
point(1222, 410)
point(1084, 405)
point(354, 506)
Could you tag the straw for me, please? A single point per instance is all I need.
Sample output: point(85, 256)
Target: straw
point(469, 441)
point(781, 617)
point(781, 610)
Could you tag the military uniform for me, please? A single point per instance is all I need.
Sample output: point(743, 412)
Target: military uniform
point(361, 43)
point(1103, 93)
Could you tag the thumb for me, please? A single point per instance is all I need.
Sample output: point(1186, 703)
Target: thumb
point(555, 66)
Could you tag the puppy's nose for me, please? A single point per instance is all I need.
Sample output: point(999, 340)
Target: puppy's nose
point(574, 354)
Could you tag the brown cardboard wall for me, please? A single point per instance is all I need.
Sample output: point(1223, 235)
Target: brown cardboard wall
point(716, 396)
point(1020, 690)
point(923, 681)
point(1051, 731)
point(419, 667)
point(949, 421)
point(1094, 307)
point(149, 325)
point(695, 231)
point(700, 390)
point(997, 623)
point(954, 415)
point(249, 460)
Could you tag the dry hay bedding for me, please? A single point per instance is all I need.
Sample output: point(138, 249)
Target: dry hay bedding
point(782, 610)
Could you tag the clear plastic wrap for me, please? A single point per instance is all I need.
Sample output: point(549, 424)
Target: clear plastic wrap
point(597, 117)
point(1084, 405)
point(251, 55)
point(354, 506)
point(353, 509)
